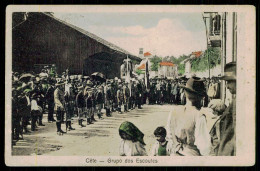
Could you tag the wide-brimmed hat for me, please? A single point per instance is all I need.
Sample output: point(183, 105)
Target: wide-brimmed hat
point(34, 96)
point(87, 88)
point(36, 82)
point(80, 87)
point(195, 85)
point(229, 71)
point(89, 83)
point(51, 81)
point(183, 78)
point(16, 83)
point(27, 91)
point(59, 83)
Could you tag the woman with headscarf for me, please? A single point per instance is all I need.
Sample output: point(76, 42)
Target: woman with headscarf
point(187, 125)
point(132, 143)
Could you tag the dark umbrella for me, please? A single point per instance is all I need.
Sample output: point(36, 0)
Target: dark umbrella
point(156, 77)
point(183, 78)
point(98, 76)
point(26, 77)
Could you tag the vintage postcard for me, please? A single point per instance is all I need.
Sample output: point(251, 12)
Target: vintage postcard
point(116, 85)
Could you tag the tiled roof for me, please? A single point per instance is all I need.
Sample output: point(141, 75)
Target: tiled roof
point(147, 54)
point(141, 67)
point(166, 64)
point(197, 54)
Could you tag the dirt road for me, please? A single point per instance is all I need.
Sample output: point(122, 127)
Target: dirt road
point(98, 139)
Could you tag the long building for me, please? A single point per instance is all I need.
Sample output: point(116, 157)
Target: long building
point(40, 38)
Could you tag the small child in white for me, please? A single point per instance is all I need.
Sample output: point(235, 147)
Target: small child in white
point(162, 146)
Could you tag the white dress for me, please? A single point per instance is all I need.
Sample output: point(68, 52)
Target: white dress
point(129, 148)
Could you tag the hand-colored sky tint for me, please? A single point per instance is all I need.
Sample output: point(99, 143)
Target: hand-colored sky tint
point(163, 34)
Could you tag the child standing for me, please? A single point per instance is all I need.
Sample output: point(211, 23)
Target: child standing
point(162, 147)
point(132, 143)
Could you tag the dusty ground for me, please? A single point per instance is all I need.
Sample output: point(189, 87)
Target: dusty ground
point(98, 139)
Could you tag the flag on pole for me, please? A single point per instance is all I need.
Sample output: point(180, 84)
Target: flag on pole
point(127, 79)
point(147, 75)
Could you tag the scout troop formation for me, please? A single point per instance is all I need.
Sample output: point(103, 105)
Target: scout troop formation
point(84, 97)
point(68, 96)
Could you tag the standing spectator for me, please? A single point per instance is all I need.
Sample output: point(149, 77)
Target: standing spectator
point(187, 126)
point(50, 100)
point(218, 107)
point(132, 96)
point(113, 95)
point(162, 147)
point(69, 107)
point(182, 94)
point(81, 105)
point(227, 145)
point(35, 111)
point(120, 98)
point(99, 101)
point(24, 110)
point(15, 117)
point(212, 91)
point(37, 91)
point(168, 91)
point(59, 106)
point(175, 91)
point(94, 103)
point(108, 98)
point(126, 93)
point(139, 93)
point(114, 87)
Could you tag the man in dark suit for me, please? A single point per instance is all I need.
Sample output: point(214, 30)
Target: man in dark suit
point(50, 100)
point(38, 92)
point(24, 109)
point(139, 94)
point(223, 132)
point(227, 144)
point(81, 105)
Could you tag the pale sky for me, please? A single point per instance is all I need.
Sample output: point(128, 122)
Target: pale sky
point(162, 34)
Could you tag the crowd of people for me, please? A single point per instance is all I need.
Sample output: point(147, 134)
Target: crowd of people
point(172, 91)
point(186, 132)
point(84, 97)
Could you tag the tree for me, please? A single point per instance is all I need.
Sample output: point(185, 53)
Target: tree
point(181, 69)
point(178, 60)
point(155, 63)
point(138, 71)
point(202, 63)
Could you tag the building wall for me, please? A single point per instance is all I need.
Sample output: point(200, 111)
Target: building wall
point(230, 44)
point(187, 68)
point(167, 71)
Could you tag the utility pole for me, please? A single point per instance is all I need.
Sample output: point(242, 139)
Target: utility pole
point(207, 37)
